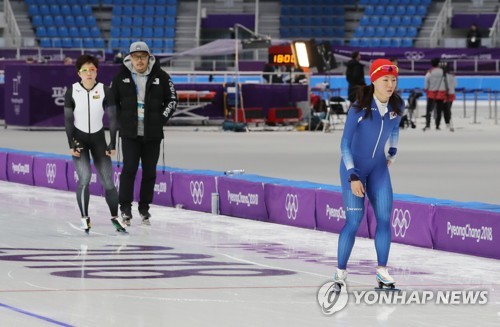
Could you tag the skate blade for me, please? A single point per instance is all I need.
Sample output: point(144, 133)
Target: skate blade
point(122, 231)
point(87, 231)
point(387, 289)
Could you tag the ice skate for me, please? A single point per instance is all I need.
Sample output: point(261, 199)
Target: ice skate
point(120, 227)
point(339, 280)
point(85, 224)
point(126, 216)
point(385, 281)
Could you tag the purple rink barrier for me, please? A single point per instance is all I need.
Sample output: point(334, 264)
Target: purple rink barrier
point(50, 172)
point(240, 198)
point(95, 186)
point(331, 214)
point(410, 223)
point(3, 166)
point(292, 206)
point(163, 189)
point(193, 191)
point(20, 168)
point(468, 231)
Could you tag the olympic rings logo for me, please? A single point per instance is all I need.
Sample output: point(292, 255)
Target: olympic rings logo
point(50, 172)
point(197, 189)
point(414, 55)
point(401, 222)
point(291, 205)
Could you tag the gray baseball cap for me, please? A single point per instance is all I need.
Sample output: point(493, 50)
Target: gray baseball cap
point(139, 47)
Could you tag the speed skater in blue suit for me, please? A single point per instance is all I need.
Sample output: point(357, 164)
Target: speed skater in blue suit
point(372, 123)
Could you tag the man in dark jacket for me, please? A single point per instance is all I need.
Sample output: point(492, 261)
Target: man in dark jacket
point(145, 99)
point(355, 75)
point(473, 37)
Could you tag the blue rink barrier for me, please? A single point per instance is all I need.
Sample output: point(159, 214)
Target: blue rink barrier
point(463, 227)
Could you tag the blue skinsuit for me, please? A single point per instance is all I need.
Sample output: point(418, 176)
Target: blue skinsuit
point(363, 154)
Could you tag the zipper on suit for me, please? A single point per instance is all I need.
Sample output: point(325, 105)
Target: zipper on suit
point(379, 135)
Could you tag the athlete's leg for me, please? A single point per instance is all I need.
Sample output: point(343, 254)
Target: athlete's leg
point(355, 208)
point(84, 173)
point(104, 169)
point(379, 191)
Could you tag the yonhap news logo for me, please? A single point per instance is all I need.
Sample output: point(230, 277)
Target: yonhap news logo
point(332, 302)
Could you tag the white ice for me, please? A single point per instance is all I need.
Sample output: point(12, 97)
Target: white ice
point(196, 269)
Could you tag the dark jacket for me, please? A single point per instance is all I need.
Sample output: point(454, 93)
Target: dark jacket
point(355, 75)
point(474, 39)
point(160, 102)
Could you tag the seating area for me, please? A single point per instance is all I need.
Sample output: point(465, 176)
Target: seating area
point(384, 23)
point(73, 24)
point(319, 19)
point(389, 23)
point(65, 24)
point(153, 24)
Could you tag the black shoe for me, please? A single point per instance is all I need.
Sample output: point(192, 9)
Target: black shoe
point(126, 216)
point(438, 129)
point(426, 128)
point(145, 215)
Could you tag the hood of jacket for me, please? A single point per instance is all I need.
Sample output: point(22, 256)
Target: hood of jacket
point(127, 62)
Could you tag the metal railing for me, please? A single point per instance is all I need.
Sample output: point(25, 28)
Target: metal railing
point(441, 23)
point(13, 33)
point(495, 31)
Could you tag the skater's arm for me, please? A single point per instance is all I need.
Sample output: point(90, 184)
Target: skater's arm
point(353, 116)
point(69, 118)
point(393, 142)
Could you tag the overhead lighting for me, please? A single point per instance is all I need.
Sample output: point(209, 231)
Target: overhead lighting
point(300, 50)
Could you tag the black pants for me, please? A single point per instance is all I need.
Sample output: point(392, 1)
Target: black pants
point(446, 109)
point(440, 107)
point(147, 152)
point(95, 144)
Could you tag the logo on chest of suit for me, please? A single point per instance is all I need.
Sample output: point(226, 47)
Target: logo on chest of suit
point(126, 80)
point(392, 115)
point(156, 81)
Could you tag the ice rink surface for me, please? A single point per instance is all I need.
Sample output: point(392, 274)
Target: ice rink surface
point(197, 269)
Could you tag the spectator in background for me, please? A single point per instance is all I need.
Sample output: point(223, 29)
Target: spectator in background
point(435, 90)
point(450, 83)
point(68, 61)
point(30, 60)
point(273, 73)
point(473, 37)
point(355, 75)
point(145, 100)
